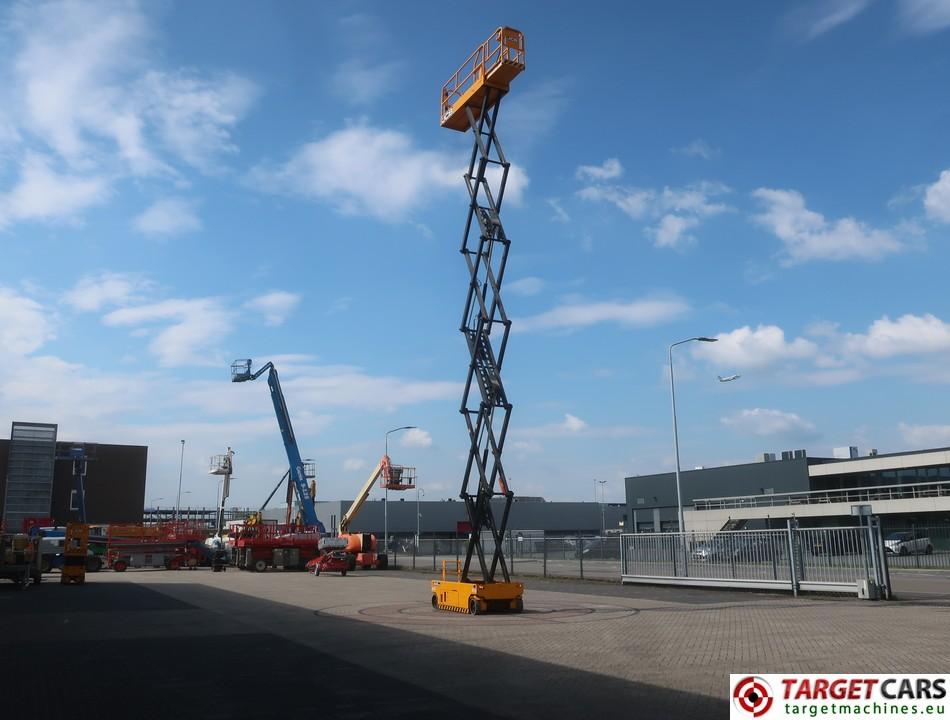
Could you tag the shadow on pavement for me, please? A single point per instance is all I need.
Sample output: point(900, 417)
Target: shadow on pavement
point(236, 656)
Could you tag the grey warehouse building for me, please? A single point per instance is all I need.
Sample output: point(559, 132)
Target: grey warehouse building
point(910, 486)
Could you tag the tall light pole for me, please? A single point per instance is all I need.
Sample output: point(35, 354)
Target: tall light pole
point(418, 515)
point(602, 518)
point(181, 465)
point(676, 440)
point(386, 500)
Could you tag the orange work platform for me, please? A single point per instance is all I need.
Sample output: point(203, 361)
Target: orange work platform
point(495, 63)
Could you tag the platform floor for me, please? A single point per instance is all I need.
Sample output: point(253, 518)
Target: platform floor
point(159, 644)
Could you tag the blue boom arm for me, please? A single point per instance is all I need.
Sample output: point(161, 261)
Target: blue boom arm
point(297, 473)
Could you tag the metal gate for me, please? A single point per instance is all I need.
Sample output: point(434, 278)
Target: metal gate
point(832, 559)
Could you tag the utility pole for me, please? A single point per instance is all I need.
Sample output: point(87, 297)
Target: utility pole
point(602, 516)
point(181, 465)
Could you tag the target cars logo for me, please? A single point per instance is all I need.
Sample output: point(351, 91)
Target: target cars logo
point(752, 696)
point(817, 696)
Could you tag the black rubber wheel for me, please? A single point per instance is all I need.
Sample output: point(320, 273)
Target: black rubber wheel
point(382, 562)
point(46, 566)
point(903, 551)
point(36, 576)
point(260, 565)
point(929, 550)
point(473, 606)
point(120, 566)
point(316, 571)
point(435, 602)
point(519, 605)
point(343, 572)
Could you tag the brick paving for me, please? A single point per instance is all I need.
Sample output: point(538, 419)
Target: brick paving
point(374, 645)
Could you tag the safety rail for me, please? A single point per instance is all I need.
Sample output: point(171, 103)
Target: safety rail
point(506, 45)
point(908, 491)
point(834, 559)
point(277, 533)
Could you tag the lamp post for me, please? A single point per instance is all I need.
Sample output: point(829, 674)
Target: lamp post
point(181, 465)
point(602, 517)
point(418, 515)
point(386, 500)
point(676, 441)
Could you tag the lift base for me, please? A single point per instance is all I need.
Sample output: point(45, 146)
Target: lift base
point(476, 598)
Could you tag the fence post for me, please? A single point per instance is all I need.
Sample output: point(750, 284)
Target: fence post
point(884, 569)
point(580, 553)
point(415, 550)
point(673, 553)
point(511, 552)
point(434, 544)
point(913, 529)
point(792, 565)
point(544, 549)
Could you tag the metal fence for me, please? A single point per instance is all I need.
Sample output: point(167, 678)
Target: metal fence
point(528, 553)
point(835, 559)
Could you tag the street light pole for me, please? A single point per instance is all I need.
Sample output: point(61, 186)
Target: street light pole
point(676, 440)
point(386, 492)
point(418, 515)
point(602, 517)
point(181, 465)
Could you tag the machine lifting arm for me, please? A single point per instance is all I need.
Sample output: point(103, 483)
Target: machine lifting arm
point(347, 518)
point(241, 372)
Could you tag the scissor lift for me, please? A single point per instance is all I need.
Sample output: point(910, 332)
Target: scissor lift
point(470, 100)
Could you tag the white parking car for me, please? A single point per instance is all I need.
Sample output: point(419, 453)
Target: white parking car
point(904, 543)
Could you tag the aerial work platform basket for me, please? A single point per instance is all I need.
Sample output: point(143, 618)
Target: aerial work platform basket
point(495, 63)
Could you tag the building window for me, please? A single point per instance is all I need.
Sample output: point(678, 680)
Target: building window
point(641, 501)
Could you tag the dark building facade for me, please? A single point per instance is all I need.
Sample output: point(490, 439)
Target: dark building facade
point(115, 482)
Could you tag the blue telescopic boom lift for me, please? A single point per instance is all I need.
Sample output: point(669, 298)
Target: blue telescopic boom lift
point(241, 372)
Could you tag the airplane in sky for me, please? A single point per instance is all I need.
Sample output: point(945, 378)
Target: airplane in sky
point(728, 378)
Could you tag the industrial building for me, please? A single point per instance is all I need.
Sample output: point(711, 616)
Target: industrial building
point(36, 478)
point(909, 487)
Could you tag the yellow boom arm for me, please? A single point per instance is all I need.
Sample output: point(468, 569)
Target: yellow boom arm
point(364, 493)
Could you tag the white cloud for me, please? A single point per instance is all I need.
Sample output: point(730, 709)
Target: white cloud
point(677, 209)
point(169, 216)
point(560, 214)
point(94, 292)
point(609, 170)
point(274, 306)
point(196, 327)
point(363, 170)
point(194, 114)
point(24, 326)
point(41, 193)
point(573, 423)
point(518, 181)
point(340, 304)
point(937, 197)
point(765, 422)
point(925, 16)
point(818, 17)
point(352, 464)
point(748, 348)
point(699, 148)
point(925, 436)
point(635, 313)
point(525, 286)
point(909, 334)
point(671, 230)
point(415, 437)
point(807, 235)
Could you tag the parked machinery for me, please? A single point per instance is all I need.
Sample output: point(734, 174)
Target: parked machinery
point(362, 546)
point(75, 548)
point(470, 101)
point(19, 559)
point(172, 545)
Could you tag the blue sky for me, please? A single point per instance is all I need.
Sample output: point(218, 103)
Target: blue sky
point(182, 184)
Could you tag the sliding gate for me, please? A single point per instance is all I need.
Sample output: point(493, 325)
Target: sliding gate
point(834, 559)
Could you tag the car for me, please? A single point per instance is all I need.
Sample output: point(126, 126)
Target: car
point(711, 551)
point(905, 543)
point(336, 561)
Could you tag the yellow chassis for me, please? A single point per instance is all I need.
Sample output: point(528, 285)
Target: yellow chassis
point(476, 598)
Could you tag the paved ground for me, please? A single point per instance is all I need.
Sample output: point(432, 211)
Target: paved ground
point(159, 644)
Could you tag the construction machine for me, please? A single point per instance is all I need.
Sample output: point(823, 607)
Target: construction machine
point(241, 372)
point(359, 545)
point(470, 100)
